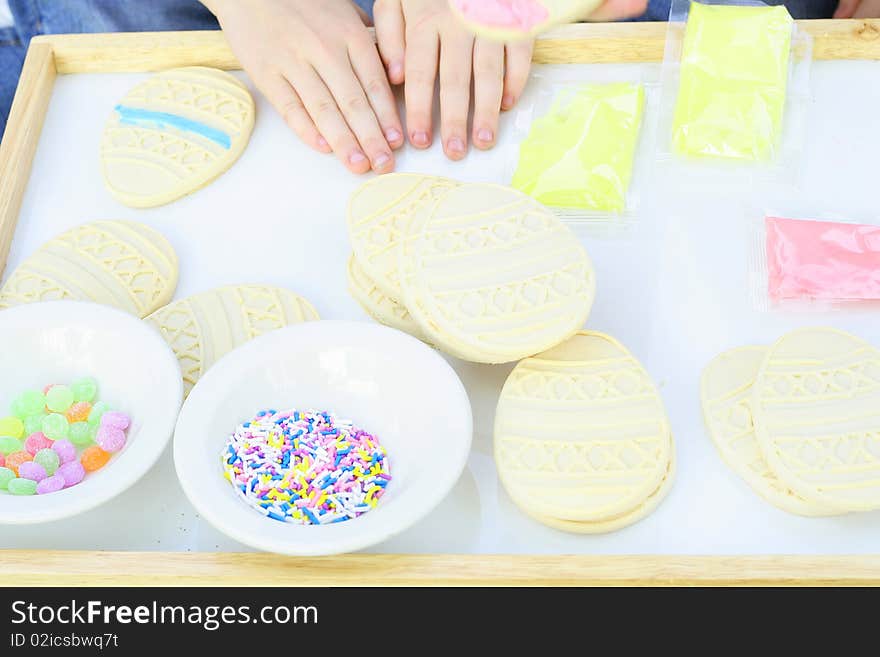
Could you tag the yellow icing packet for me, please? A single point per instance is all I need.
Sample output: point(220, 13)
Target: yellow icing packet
point(580, 154)
point(734, 73)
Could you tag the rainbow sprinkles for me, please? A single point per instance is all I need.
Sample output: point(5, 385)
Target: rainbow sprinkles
point(142, 118)
point(305, 467)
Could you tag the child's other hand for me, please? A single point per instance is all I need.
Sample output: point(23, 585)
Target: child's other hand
point(418, 38)
point(614, 10)
point(858, 9)
point(319, 67)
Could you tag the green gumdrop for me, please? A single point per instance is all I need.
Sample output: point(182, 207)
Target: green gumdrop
point(8, 444)
point(84, 389)
point(49, 459)
point(55, 426)
point(11, 426)
point(6, 475)
point(97, 411)
point(33, 423)
point(81, 433)
point(30, 402)
point(20, 486)
point(16, 409)
point(59, 398)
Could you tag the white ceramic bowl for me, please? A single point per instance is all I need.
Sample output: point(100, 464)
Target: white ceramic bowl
point(383, 380)
point(136, 371)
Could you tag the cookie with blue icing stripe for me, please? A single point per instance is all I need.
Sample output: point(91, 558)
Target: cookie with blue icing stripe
point(174, 133)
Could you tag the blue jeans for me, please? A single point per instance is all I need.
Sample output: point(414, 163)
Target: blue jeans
point(33, 17)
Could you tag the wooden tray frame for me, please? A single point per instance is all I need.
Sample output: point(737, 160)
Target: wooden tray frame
point(53, 55)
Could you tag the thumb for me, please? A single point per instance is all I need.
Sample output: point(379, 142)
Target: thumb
point(847, 8)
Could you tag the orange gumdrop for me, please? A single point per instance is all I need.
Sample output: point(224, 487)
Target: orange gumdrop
point(79, 412)
point(94, 458)
point(16, 459)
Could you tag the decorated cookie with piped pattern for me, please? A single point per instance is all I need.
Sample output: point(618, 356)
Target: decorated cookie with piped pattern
point(816, 406)
point(492, 276)
point(727, 398)
point(203, 328)
point(512, 20)
point(380, 213)
point(174, 133)
point(581, 433)
point(123, 264)
point(377, 304)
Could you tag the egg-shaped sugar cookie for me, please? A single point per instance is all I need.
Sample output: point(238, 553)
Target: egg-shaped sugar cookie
point(492, 276)
point(816, 403)
point(379, 214)
point(123, 264)
point(512, 20)
point(581, 433)
point(726, 393)
point(642, 511)
point(378, 305)
point(203, 328)
point(174, 133)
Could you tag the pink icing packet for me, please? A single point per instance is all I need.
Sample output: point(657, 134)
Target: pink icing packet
point(822, 260)
point(520, 15)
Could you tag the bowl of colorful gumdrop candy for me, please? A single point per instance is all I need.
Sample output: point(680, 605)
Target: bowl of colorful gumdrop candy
point(88, 400)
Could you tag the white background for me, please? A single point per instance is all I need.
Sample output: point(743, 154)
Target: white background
point(674, 289)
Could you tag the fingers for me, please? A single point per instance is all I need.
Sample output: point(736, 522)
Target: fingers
point(368, 68)
point(390, 33)
point(456, 64)
point(288, 104)
point(352, 102)
point(518, 62)
point(325, 113)
point(488, 90)
point(846, 8)
point(612, 10)
point(420, 75)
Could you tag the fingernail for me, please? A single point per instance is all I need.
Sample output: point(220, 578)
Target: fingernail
point(486, 135)
point(392, 135)
point(381, 160)
point(322, 143)
point(455, 145)
point(508, 101)
point(420, 138)
point(395, 71)
point(357, 157)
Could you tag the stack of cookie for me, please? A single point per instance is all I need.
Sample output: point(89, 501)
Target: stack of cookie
point(800, 420)
point(582, 441)
point(483, 272)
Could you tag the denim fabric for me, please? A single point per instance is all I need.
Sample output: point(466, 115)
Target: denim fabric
point(34, 17)
point(366, 5)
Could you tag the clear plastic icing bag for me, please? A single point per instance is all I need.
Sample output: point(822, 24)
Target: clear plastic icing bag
point(822, 260)
point(580, 154)
point(734, 74)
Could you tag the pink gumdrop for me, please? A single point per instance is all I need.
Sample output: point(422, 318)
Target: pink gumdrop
point(110, 439)
point(72, 473)
point(50, 485)
point(2, 460)
point(32, 471)
point(65, 450)
point(37, 441)
point(115, 419)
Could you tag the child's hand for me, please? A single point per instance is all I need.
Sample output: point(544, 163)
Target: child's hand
point(858, 9)
point(419, 37)
point(319, 67)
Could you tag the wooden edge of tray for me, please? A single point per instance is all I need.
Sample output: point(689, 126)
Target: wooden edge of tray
point(584, 43)
point(57, 568)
